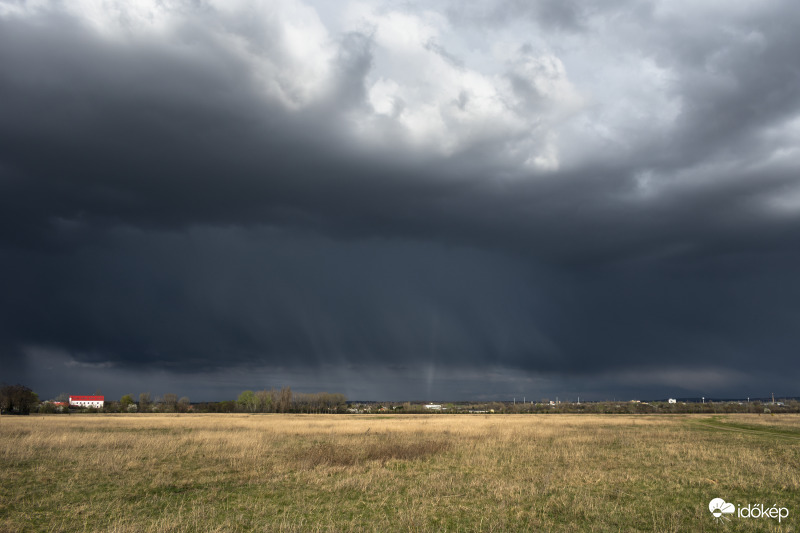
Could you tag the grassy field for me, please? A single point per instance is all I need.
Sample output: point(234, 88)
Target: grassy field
point(139, 473)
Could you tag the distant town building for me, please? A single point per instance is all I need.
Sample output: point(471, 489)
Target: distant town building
point(672, 400)
point(434, 406)
point(87, 401)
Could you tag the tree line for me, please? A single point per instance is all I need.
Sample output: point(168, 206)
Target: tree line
point(285, 401)
point(19, 399)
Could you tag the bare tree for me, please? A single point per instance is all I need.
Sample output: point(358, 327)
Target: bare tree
point(266, 400)
point(170, 402)
point(184, 404)
point(336, 402)
point(284, 400)
point(144, 402)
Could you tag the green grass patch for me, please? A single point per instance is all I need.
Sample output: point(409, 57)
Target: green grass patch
point(721, 423)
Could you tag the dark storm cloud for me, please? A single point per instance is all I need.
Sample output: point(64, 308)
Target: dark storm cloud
point(228, 297)
point(222, 193)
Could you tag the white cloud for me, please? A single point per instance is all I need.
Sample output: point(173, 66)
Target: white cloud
point(286, 45)
point(440, 94)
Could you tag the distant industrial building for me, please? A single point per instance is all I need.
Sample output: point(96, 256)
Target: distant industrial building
point(87, 401)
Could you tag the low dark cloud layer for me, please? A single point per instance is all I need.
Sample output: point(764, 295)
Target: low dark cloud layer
point(426, 201)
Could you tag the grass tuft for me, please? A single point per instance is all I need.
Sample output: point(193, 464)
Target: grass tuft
point(334, 454)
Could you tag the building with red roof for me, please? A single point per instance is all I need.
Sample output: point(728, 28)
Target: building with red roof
point(87, 401)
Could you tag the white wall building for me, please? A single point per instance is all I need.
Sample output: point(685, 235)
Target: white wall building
point(87, 401)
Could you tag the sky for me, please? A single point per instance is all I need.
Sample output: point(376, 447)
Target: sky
point(435, 200)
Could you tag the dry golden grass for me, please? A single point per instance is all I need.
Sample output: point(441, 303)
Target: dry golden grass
point(139, 473)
